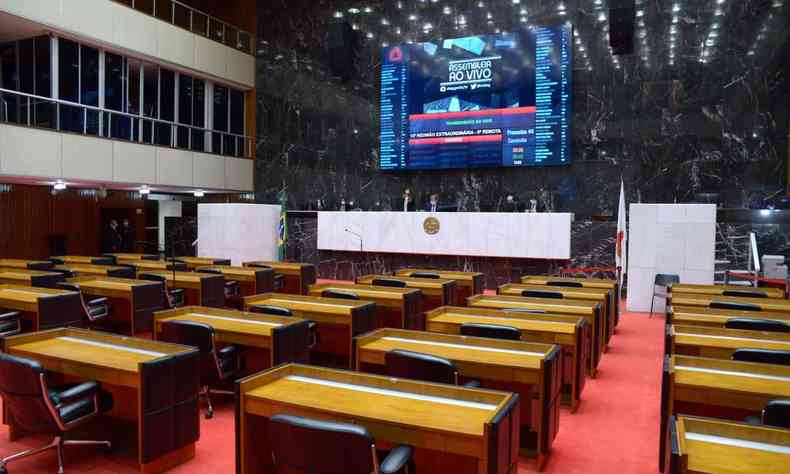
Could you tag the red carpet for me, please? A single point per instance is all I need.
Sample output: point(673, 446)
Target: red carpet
point(615, 429)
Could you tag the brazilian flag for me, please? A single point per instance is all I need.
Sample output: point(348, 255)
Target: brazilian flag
point(282, 228)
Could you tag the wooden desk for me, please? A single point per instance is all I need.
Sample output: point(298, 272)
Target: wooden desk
point(132, 256)
point(25, 264)
point(612, 285)
point(264, 340)
point(724, 388)
point(84, 259)
point(42, 308)
point(718, 290)
point(713, 317)
point(712, 445)
point(338, 320)
point(150, 265)
point(252, 281)
point(395, 307)
point(695, 299)
point(720, 343)
point(155, 386)
point(532, 370)
point(454, 430)
point(435, 292)
point(133, 302)
point(201, 289)
point(598, 295)
point(297, 277)
point(194, 262)
point(469, 283)
point(589, 310)
point(97, 270)
point(15, 276)
point(572, 333)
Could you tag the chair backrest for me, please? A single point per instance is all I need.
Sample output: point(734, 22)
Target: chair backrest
point(757, 325)
point(308, 445)
point(189, 333)
point(745, 293)
point(494, 331)
point(418, 366)
point(525, 310)
point(23, 395)
point(777, 413)
point(567, 284)
point(258, 265)
point(764, 356)
point(69, 286)
point(152, 277)
point(57, 261)
point(425, 275)
point(734, 306)
point(542, 294)
point(343, 295)
point(665, 279)
point(65, 273)
point(389, 282)
point(267, 309)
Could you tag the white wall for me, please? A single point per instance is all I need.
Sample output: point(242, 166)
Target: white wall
point(240, 232)
point(167, 209)
point(668, 238)
point(52, 155)
point(117, 26)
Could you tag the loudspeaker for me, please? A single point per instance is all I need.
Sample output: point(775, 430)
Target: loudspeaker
point(342, 49)
point(622, 18)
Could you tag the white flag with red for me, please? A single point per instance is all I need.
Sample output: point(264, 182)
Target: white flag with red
point(622, 237)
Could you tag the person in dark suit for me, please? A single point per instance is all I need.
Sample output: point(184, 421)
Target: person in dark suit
point(406, 203)
point(127, 236)
point(433, 203)
point(512, 204)
point(113, 242)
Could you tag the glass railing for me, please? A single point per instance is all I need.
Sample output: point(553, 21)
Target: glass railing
point(30, 110)
point(196, 21)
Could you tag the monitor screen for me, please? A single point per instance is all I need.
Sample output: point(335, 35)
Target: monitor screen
point(478, 101)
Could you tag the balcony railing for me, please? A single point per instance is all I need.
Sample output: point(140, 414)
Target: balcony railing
point(196, 21)
point(31, 110)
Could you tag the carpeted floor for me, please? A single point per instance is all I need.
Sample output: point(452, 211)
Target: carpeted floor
point(615, 429)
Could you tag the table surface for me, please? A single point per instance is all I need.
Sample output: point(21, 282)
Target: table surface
point(232, 271)
point(200, 260)
point(279, 265)
point(313, 304)
point(77, 258)
point(718, 289)
point(411, 282)
point(132, 256)
point(23, 274)
point(731, 376)
point(586, 282)
point(515, 289)
point(227, 320)
point(563, 306)
point(729, 338)
point(696, 299)
point(367, 291)
point(524, 322)
point(447, 274)
point(191, 277)
point(28, 294)
point(20, 262)
point(702, 313)
point(89, 268)
point(110, 283)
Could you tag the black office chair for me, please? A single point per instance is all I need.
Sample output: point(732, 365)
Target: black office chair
point(775, 413)
point(308, 445)
point(542, 294)
point(661, 283)
point(750, 324)
point(10, 323)
point(174, 297)
point(232, 289)
point(218, 366)
point(493, 331)
point(285, 312)
point(279, 278)
point(745, 293)
point(57, 261)
point(343, 295)
point(95, 309)
point(435, 276)
point(418, 366)
point(36, 407)
point(732, 305)
point(67, 274)
point(388, 282)
point(763, 356)
point(566, 284)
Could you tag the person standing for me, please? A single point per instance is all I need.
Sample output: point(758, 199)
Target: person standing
point(407, 202)
point(127, 236)
point(112, 237)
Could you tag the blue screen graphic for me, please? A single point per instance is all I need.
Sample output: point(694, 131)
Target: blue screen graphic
point(478, 101)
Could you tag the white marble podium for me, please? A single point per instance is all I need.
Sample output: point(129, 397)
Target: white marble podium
point(480, 234)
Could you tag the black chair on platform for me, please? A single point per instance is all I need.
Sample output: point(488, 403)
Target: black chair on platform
point(232, 289)
point(36, 407)
point(734, 306)
point(542, 294)
point(750, 324)
point(566, 284)
point(493, 331)
point(95, 309)
point(388, 282)
point(435, 276)
point(419, 366)
point(343, 295)
point(10, 323)
point(317, 446)
point(285, 312)
point(174, 297)
point(279, 278)
point(661, 283)
point(745, 293)
point(218, 366)
point(763, 356)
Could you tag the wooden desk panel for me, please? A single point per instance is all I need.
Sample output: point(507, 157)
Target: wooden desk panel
point(718, 290)
point(83, 259)
point(194, 262)
point(16, 276)
point(704, 301)
point(297, 277)
point(453, 429)
point(728, 389)
point(252, 281)
point(713, 445)
point(151, 265)
point(436, 292)
point(165, 412)
point(43, 308)
point(612, 285)
point(589, 310)
point(97, 270)
point(530, 369)
point(133, 302)
point(25, 264)
point(119, 257)
point(338, 320)
point(720, 343)
point(571, 332)
point(202, 289)
point(469, 283)
point(395, 307)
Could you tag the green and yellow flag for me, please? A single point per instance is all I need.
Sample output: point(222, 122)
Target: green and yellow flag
point(282, 229)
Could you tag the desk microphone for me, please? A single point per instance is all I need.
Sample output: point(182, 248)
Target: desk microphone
point(356, 235)
point(195, 242)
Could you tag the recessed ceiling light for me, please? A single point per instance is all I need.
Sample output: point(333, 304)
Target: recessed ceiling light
point(59, 185)
point(144, 189)
point(198, 193)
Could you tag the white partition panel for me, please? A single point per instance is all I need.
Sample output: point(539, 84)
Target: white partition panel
point(240, 232)
point(677, 239)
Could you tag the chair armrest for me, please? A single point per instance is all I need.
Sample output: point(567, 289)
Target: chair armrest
point(397, 459)
point(97, 301)
point(472, 384)
point(83, 390)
